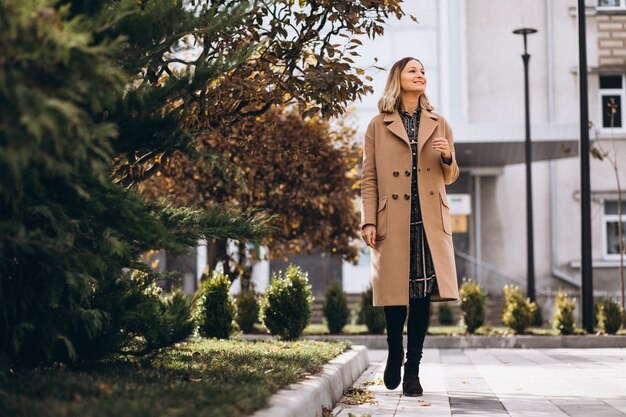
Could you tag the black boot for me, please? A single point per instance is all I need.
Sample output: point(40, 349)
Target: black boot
point(411, 386)
point(395, 317)
point(392, 376)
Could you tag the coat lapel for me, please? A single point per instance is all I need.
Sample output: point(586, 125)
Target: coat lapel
point(428, 123)
point(394, 124)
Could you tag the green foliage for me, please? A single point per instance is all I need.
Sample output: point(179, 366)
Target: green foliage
point(247, 310)
point(374, 317)
point(564, 313)
point(538, 317)
point(609, 315)
point(518, 312)
point(472, 305)
point(336, 308)
point(69, 111)
point(286, 309)
point(444, 314)
point(216, 309)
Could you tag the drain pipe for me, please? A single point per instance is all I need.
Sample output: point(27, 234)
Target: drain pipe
point(552, 164)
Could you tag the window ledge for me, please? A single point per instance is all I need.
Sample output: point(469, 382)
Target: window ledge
point(600, 263)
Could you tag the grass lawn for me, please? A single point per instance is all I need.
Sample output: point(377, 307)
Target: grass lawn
point(196, 378)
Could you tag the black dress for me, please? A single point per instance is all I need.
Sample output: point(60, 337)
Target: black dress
point(422, 279)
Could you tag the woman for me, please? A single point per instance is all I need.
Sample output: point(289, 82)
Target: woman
point(405, 220)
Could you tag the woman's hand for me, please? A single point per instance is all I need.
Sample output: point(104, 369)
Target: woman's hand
point(442, 145)
point(369, 235)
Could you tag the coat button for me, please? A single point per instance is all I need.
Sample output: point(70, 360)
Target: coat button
point(407, 173)
point(427, 169)
point(396, 173)
point(394, 196)
point(432, 192)
point(406, 196)
point(419, 170)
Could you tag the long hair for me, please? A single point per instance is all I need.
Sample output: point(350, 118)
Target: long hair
point(390, 100)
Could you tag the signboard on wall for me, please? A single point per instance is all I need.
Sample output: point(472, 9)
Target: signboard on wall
point(460, 204)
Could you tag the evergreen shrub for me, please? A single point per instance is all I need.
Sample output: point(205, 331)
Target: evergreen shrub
point(538, 317)
point(609, 315)
point(373, 317)
point(518, 311)
point(335, 308)
point(564, 313)
point(216, 310)
point(444, 314)
point(247, 310)
point(472, 305)
point(286, 309)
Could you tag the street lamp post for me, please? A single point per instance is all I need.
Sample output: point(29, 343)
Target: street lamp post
point(530, 273)
point(585, 182)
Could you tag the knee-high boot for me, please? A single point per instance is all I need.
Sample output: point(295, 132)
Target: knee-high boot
point(419, 317)
point(394, 317)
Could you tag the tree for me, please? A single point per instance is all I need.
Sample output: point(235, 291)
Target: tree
point(71, 285)
point(598, 152)
point(311, 192)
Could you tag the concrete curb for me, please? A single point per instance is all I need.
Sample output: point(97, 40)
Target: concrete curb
point(462, 342)
point(306, 399)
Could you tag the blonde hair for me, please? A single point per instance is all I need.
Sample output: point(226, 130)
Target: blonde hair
point(390, 100)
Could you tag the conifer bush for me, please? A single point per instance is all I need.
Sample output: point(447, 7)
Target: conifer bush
point(444, 314)
point(538, 317)
point(518, 311)
point(335, 308)
point(472, 305)
point(286, 308)
point(216, 310)
point(564, 313)
point(374, 317)
point(247, 310)
point(609, 315)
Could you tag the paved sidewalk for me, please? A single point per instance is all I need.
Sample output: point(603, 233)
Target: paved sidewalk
point(501, 382)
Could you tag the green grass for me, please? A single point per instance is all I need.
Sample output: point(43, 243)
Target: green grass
point(198, 378)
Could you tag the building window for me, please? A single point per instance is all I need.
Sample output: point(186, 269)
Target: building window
point(611, 4)
point(611, 229)
point(612, 99)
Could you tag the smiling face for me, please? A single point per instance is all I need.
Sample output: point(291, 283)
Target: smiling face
point(413, 77)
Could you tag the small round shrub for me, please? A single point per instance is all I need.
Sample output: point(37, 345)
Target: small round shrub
point(564, 314)
point(538, 317)
point(444, 314)
point(286, 310)
point(247, 310)
point(518, 311)
point(335, 308)
point(374, 317)
point(472, 305)
point(609, 316)
point(217, 310)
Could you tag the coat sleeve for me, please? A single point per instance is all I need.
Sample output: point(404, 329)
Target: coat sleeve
point(369, 182)
point(451, 170)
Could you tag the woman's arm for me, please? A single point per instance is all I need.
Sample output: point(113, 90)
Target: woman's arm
point(369, 183)
point(450, 168)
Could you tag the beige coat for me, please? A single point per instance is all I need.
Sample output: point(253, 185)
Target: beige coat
point(385, 202)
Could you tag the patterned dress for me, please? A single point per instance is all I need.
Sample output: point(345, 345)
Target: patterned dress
point(422, 279)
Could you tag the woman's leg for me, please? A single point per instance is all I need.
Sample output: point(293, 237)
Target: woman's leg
point(419, 318)
point(395, 316)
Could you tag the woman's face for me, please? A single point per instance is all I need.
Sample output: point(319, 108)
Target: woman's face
point(413, 78)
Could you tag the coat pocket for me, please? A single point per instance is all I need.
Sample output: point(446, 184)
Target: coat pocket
point(381, 219)
point(445, 214)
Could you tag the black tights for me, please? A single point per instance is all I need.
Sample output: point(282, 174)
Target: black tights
point(419, 317)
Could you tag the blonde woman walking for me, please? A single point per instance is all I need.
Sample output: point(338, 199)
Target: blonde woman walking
point(405, 220)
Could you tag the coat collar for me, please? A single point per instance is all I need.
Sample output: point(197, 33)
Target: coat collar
point(428, 123)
